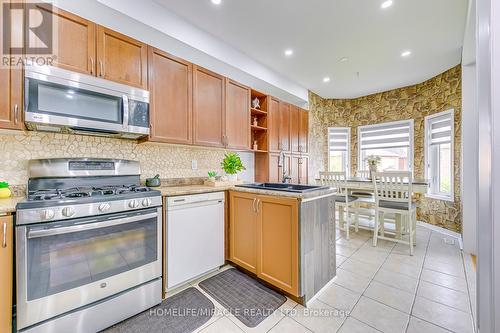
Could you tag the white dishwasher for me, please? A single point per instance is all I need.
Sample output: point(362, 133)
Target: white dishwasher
point(195, 236)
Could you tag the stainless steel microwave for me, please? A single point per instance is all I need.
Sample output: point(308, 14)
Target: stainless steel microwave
point(63, 101)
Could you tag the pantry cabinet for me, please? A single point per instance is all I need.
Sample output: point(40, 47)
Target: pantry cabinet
point(237, 125)
point(209, 101)
point(6, 272)
point(266, 228)
point(303, 131)
point(171, 92)
point(121, 58)
point(284, 127)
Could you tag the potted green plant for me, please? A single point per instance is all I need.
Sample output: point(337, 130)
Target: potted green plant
point(212, 175)
point(231, 164)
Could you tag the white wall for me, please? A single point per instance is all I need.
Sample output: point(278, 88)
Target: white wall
point(151, 23)
point(469, 134)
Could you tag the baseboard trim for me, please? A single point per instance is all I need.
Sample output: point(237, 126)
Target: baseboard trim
point(443, 231)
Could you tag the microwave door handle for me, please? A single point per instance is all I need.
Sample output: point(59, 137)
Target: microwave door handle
point(125, 111)
point(90, 226)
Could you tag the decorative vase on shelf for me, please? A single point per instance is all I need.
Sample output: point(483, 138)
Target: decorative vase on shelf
point(256, 103)
point(255, 146)
point(255, 121)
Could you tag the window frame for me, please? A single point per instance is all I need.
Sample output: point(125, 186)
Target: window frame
point(411, 148)
point(348, 151)
point(435, 184)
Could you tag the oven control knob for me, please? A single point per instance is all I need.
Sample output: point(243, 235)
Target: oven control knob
point(47, 214)
point(133, 204)
point(104, 207)
point(68, 211)
point(146, 202)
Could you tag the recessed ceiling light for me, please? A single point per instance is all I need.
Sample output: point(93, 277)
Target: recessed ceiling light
point(343, 59)
point(216, 2)
point(326, 79)
point(405, 53)
point(386, 4)
point(288, 52)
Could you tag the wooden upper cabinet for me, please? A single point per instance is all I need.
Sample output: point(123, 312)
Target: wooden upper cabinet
point(273, 118)
point(284, 133)
point(294, 128)
point(6, 273)
point(208, 107)
point(243, 230)
point(237, 115)
point(11, 101)
point(171, 91)
point(121, 58)
point(278, 242)
point(304, 131)
point(303, 170)
point(75, 45)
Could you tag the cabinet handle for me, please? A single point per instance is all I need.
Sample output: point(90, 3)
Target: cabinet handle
point(4, 242)
point(258, 205)
point(101, 67)
point(16, 114)
point(91, 65)
point(253, 205)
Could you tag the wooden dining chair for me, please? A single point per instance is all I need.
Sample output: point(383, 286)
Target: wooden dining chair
point(393, 194)
point(363, 174)
point(338, 180)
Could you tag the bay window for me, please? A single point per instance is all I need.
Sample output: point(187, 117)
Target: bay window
point(439, 161)
point(392, 142)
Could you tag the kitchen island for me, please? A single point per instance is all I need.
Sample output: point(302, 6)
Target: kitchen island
point(284, 238)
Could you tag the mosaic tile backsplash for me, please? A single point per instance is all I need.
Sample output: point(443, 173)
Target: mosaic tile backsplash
point(169, 161)
point(438, 94)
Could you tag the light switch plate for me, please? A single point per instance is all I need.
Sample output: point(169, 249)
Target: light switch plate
point(194, 164)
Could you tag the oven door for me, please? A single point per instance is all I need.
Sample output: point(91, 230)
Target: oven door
point(62, 266)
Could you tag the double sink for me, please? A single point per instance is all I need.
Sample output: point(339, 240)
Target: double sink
point(295, 188)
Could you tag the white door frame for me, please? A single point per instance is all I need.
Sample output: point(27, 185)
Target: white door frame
point(488, 80)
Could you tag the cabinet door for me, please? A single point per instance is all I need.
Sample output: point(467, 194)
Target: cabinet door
point(121, 58)
point(294, 128)
point(274, 169)
point(171, 98)
point(273, 119)
point(303, 171)
point(208, 107)
point(284, 126)
point(237, 115)
point(11, 87)
point(304, 131)
point(243, 230)
point(75, 46)
point(288, 168)
point(6, 273)
point(277, 242)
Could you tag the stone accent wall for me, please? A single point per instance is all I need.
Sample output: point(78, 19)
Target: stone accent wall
point(169, 161)
point(438, 94)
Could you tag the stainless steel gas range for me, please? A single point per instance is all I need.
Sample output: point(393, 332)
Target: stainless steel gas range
point(88, 245)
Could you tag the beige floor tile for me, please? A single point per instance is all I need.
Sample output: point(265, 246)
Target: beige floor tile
point(340, 259)
point(398, 267)
point(417, 325)
point(223, 324)
point(397, 280)
point(380, 316)
point(354, 282)
point(442, 315)
point(339, 297)
point(446, 296)
point(444, 280)
point(318, 317)
point(396, 298)
point(370, 256)
point(454, 267)
point(288, 325)
point(360, 267)
point(352, 325)
point(345, 251)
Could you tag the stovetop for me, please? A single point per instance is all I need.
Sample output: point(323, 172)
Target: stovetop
point(86, 192)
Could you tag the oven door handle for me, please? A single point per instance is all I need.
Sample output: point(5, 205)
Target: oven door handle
point(89, 226)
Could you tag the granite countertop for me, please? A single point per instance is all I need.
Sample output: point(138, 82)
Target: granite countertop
point(305, 195)
point(8, 205)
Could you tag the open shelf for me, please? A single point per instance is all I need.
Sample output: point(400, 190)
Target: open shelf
point(257, 112)
point(259, 151)
point(258, 128)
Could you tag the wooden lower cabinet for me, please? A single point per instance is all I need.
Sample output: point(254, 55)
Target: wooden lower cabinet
point(243, 230)
point(6, 273)
point(264, 238)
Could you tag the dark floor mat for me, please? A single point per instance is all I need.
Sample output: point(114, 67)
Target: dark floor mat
point(182, 313)
point(246, 298)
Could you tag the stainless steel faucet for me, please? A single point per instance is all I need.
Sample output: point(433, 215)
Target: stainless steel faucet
point(281, 163)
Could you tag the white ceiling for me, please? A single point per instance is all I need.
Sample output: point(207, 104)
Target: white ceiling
point(323, 31)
